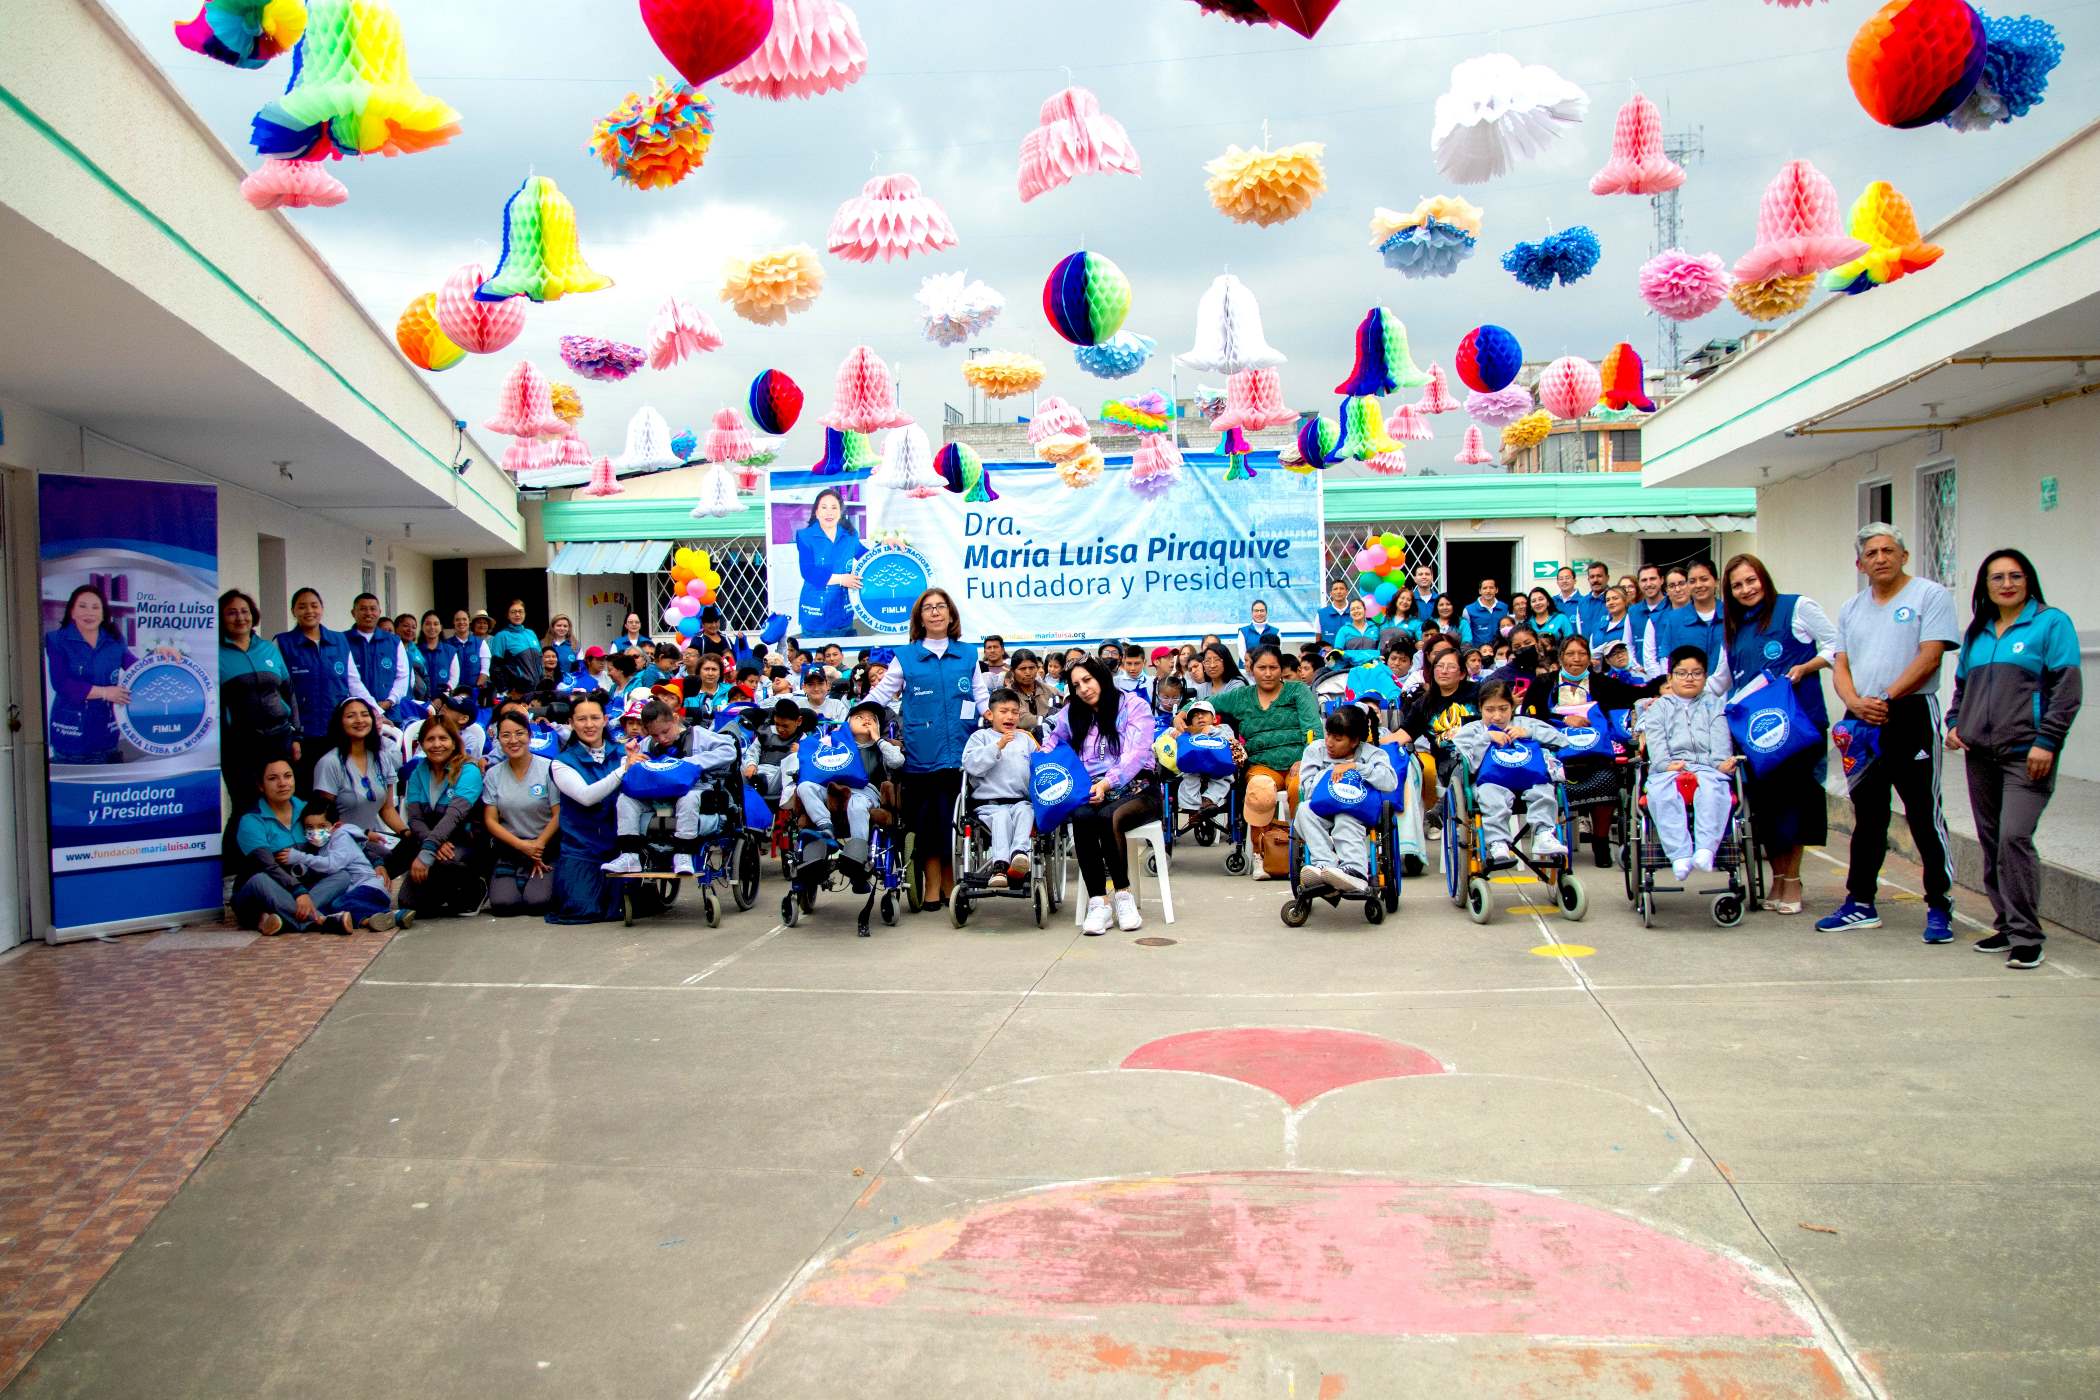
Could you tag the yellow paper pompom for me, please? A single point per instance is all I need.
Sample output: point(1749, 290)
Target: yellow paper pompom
point(1773, 298)
point(1528, 431)
point(568, 404)
point(1267, 187)
point(422, 339)
point(764, 289)
point(653, 141)
point(1083, 470)
point(1004, 375)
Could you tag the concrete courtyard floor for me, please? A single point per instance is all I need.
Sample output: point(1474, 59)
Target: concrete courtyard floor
point(1423, 1159)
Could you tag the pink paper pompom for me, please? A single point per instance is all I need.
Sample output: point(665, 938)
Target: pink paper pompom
point(477, 327)
point(1391, 462)
point(595, 357)
point(813, 48)
point(1684, 286)
point(1570, 387)
point(680, 331)
point(1056, 418)
point(865, 397)
point(1800, 228)
point(889, 218)
point(1499, 409)
point(1156, 466)
point(1637, 164)
point(1436, 395)
point(729, 440)
point(1074, 137)
point(1473, 452)
point(293, 184)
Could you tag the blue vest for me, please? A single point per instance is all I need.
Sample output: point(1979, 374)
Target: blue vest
point(936, 691)
point(1641, 614)
point(378, 660)
point(433, 665)
point(85, 730)
point(467, 653)
point(1766, 642)
point(1681, 627)
point(591, 833)
point(320, 676)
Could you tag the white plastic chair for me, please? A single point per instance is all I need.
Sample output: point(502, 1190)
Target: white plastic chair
point(1153, 835)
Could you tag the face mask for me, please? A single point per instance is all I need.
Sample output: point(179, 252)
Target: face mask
point(317, 837)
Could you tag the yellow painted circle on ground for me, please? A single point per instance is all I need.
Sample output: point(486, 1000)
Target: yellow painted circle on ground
point(1534, 909)
point(1562, 950)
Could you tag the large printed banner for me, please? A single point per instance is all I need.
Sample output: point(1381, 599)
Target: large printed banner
point(130, 573)
point(1045, 562)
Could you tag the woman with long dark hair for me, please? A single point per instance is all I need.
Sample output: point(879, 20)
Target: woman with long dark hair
point(258, 718)
point(85, 656)
point(587, 774)
point(940, 693)
point(443, 802)
point(357, 773)
point(1216, 673)
point(523, 814)
point(827, 553)
point(1111, 731)
point(1790, 636)
point(2017, 689)
point(321, 666)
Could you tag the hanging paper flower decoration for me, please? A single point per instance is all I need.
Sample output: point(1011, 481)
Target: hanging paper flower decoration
point(2020, 52)
point(566, 402)
point(717, 493)
point(1473, 452)
point(1392, 463)
point(1772, 299)
point(953, 309)
point(1916, 61)
point(526, 408)
point(729, 440)
point(1625, 380)
point(1436, 396)
point(1500, 407)
point(1086, 298)
point(1499, 112)
point(1566, 256)
point(1638, 164)
point(1488, 359)
point(1432, 240)
point(1083, 470)
point(1058, 430)
point(1229, 333)
point(1305, 16)
point(685, 444)
point(1383, 361)
point(1319, 443)
point(889, 218)
point(594, 357)
point(1156, 466)
point(962, 469)
point(1267, 187)
point(706, 38)
point(1254, 403)
point(1147, 413)
point(648, 445)
point(1883, 219)
point(1074, 137)
point(351, 91)
point(292, 184)
point(907, 464)
point(652, 142)
point(1798, 230)
point(572, 452)
point(833, 462)
point(680, 332)
point(776, 403)
point(1120, 356)
point(1683, 286)
point(1570, 387)
point(814, 47)
point(475, 326)
point(1004, 374)
point(244, 33)
point(604, 481)
point(864, 396)
point(522, 456)
point(766, 288)
point(542, 254)
point(422, 339)
point(1528, 431)
point(1408, 423)
point(1363, 430)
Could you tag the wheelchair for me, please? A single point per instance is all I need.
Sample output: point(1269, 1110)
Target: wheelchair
point(730, 857)
point(1049, 868)
point(885, 869)
point(1736, 859)
point(1381, 898)
point(1468, 874)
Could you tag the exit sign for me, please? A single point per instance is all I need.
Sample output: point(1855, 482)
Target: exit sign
point(2048, 493)
point(1544, 568)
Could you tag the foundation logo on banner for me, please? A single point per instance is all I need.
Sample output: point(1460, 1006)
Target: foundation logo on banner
point(170, 709)
point(892, 576)
point(1768, 730)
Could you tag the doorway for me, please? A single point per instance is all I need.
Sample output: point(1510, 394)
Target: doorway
point(504, 585)
point(448, 587)
point(1668, 551)
point(1467, 562)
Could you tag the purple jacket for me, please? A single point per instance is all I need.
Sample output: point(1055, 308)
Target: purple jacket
point(1133, 725)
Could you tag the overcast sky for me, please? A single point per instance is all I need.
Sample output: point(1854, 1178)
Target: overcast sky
point(952, 87)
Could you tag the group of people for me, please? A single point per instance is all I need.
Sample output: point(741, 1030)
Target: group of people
point(382, 771)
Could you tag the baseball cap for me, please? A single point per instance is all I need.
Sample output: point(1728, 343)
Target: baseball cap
point(815, 672)
point(873, 707)
point(1159, 652)
point(1203, 705)
point(589, 652)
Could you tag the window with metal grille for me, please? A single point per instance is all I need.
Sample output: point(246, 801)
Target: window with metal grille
point(369, 577)
point(1425, 545)
point(1625, 446)
point(1569, 452)
point(1936, 532)
point(742, 597)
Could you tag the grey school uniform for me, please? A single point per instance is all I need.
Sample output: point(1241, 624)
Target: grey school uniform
point(525, 805)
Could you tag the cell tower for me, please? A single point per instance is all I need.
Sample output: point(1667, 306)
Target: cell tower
point(1684, 147)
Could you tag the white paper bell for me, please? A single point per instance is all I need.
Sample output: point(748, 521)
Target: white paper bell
point(648, 444)
point(1228, 332)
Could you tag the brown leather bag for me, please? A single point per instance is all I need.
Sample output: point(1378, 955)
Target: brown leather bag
point(1276, 850)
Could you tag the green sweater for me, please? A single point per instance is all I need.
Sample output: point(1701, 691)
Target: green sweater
point(1276, 736)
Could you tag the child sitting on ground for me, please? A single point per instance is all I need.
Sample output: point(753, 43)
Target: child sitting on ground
point(334, 859)
point(771, 745)
point(882, 762)
point(1199, 796)
point(1338, 848)
point(1494, 792)
point(1686, 731)
point(997, 761)
point(668, 738)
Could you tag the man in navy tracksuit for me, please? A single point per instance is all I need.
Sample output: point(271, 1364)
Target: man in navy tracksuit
point(1483, 620)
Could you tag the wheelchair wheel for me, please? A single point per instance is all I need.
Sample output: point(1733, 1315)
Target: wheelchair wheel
point(959, 907)
point(1728, 910)
point(1152, 863)
point(1454, 859)
point(627, 903)
point(1646, 904)
point(1296, 912)
point(1480, 901)
point(889, 909)
point(710, 909)
point(914, 877)
point(1574, 900)
point(1235, 862)
point(1206, 834)
point(1374, 910)
point(748, 862)
point(808, 900)
point(1629, 854)
point(790, 909)
point(1042, 906)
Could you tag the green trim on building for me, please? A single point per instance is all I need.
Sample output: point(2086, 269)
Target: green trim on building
point(587, 521)
point(1554, 495)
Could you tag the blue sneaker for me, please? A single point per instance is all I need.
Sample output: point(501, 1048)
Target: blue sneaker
point(1850, 916)
point(1939, 926)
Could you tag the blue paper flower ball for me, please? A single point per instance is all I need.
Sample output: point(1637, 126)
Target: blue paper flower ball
point(1566, 257)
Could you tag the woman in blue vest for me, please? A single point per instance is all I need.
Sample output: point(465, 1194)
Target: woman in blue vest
point(1791, 637)
point(561, 636)
point(1698, 621)
point(258, 717)
point(514, 653)
point(436, 665)
point(1358, 638)
point(320, 665)
point(469, 653)
point(941, 693)
point(1336, 613)
point(85, 655)
point(827, 552)
point(587, 773)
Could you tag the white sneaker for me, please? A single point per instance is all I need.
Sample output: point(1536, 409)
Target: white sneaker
point(1347, 881)
point(1703, 860)
point(1097, 917)
point(626, 863)
point(1312, 877)
point(1500, 852)
point(1682, 869)
point(681, 864)
point(1017, 869)
point(1128, 918)
point(1546, 845)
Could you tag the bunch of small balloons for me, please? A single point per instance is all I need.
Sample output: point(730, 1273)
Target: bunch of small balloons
point(694, 581)
point(1381, 570)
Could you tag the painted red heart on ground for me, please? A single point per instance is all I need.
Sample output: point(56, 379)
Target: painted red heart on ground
point(1295, 1064)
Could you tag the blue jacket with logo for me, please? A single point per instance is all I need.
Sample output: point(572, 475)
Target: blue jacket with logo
point(937, 707)
point(320, 676)
point(83, 730)
point(1483, 626)
point(2021, 690)
point(1683, 627)
point(378, 659)
point(1766, 642)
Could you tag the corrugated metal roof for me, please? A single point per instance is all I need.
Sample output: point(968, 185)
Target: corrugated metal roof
point(611, 557)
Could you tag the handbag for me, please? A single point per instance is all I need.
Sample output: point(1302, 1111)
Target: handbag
point(832, 757)
point(1058, 786)
point(1768, 725)
point(1517, 766)
point(1342, 792)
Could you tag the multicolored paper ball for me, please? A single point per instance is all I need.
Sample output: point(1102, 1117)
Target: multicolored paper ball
point(1488, 359)
point(1916, 61)
point(1086, 299)
point(776, 403)
point(422, 339)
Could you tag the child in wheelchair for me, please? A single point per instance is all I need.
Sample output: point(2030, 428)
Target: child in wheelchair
point(1203, 794)
point(767, 753)
point(855, 795)
point(1504, 769)
point(675, 762)
point(1685, 730)
point(996, 764)
point(1344, 778)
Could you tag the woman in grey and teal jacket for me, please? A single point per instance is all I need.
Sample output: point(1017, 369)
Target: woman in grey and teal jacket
point(2016, 691)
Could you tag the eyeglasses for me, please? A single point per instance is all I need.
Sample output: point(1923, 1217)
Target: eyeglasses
point(1689, 673)
point(2014, 577)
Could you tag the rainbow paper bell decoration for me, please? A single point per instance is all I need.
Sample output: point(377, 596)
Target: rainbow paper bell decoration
point(542, 257)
